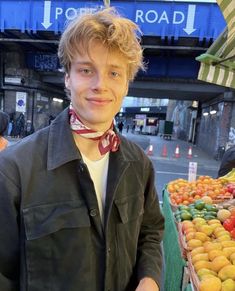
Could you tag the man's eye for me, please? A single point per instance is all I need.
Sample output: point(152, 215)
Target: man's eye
point(115, 74)
point(85, 71)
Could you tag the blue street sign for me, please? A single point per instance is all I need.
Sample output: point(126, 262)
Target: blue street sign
point(155, 18)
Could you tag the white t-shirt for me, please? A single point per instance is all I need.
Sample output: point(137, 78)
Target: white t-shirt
point(99, 171)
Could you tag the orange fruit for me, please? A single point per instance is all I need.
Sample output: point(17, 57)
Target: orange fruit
point(198, 250)
point(219, 262)
point(211, 283)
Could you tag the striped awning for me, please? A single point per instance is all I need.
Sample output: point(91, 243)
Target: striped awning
point(218, 63)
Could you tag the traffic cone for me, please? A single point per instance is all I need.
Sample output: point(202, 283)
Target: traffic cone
point(150, 150)
point(164, 151)
point(177, 152)
point(190, 153)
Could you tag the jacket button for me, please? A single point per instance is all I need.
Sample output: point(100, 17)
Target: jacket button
point(93, 212)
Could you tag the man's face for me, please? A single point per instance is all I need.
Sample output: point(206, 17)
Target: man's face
point(97, 82)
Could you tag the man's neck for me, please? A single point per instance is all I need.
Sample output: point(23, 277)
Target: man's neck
point(88, 147)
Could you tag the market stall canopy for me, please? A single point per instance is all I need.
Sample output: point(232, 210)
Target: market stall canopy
point(218, 63)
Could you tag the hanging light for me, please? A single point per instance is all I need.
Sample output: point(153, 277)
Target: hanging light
point(213, 110)
point(205, 112)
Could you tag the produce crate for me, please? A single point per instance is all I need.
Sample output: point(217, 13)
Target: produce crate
point(174, 264)
point(174, 207)
point(193, 275)
point(182, 242)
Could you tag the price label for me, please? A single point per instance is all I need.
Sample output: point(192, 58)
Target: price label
point(192, 171)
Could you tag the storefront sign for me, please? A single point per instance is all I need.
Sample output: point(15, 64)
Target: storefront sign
point(21, 101)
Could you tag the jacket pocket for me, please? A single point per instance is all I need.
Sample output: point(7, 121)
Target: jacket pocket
point(57, 246)
point(130, 207)
point(43, 220)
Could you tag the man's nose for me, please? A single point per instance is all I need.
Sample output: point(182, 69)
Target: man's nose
point(99, 82)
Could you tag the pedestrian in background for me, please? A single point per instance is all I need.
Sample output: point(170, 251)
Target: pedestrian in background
point(4, 121)
point(133, 128)
point(81, 211)
point(120, 126)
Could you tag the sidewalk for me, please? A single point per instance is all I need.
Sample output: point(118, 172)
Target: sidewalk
point(198, 155)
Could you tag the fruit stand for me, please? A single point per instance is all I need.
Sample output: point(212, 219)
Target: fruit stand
point(199, 239)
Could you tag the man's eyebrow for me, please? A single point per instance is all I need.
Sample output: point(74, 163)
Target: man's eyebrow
point(117, 67)
point(113, 66)
point(82, 63)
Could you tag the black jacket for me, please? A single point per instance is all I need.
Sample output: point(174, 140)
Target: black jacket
point(51, 236)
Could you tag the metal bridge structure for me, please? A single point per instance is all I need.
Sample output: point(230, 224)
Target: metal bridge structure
point(174, 34)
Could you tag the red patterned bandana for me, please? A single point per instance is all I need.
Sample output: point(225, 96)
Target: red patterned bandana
point(108, 140)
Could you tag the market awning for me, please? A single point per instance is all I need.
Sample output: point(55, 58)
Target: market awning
point(218, 63)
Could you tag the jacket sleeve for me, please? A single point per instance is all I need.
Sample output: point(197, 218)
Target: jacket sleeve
point(227, 163)
point(149, 262)
point(9, 231)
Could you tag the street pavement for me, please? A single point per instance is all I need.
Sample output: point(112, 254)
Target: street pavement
point(158, 143)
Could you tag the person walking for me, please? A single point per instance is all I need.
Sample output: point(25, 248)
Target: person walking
point(4, 121)
point(120, 126)
point(81, 212)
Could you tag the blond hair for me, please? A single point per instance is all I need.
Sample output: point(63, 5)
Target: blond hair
point(108, 27)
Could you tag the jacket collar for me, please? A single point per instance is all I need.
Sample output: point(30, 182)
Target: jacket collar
point(61, 145)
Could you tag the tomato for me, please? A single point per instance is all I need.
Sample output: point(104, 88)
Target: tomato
point(232, 212)
point(233, 233)
point(232, 217)
point(228, 224)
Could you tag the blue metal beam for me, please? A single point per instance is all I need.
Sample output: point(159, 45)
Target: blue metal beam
point(155, 18)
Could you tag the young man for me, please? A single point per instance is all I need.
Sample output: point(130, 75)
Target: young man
point(78, 206)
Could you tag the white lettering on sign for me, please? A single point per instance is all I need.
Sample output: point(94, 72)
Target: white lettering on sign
point(71, 12)
point(150, 16)
point(58, 11)
point(178, 17)
point(164, 17)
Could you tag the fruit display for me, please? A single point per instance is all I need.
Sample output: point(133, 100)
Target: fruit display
point(197, 209)
point(204, 213)
point(183, 192)
point(230, 187)
point(211, 254)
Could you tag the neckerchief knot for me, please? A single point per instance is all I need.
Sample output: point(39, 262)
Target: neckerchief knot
point(108, 140)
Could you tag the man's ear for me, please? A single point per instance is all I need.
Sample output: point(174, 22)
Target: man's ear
point(67, 80)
